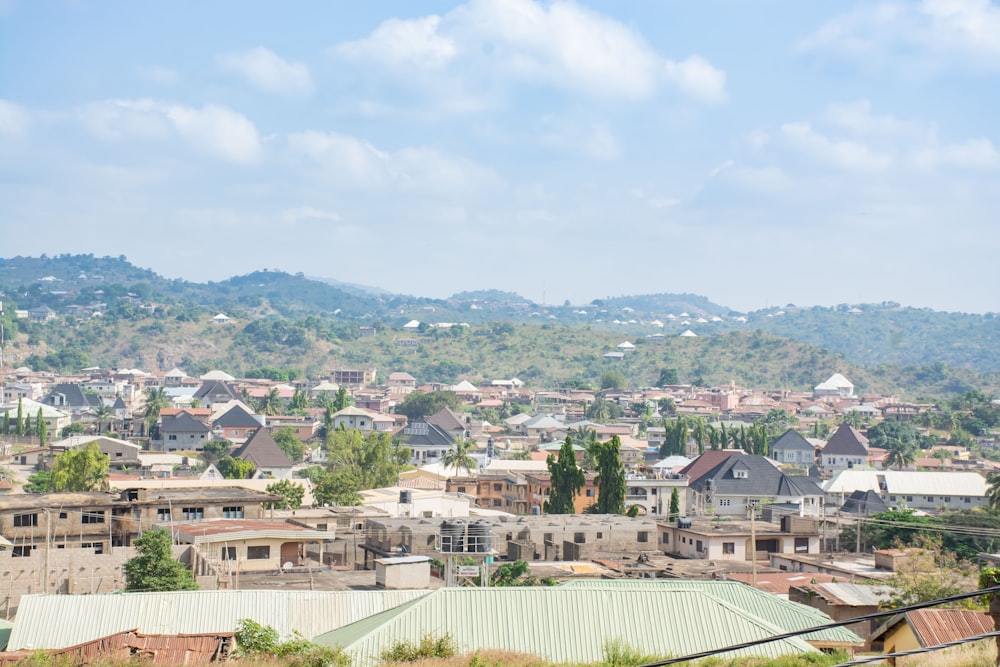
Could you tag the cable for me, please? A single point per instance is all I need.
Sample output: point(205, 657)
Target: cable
point(828, 626)
point(916, 651)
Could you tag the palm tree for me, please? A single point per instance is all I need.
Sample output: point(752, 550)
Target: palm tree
point(459, 456)
point(900, 454)
point(993, 494)
point(102, 413)
point(270, 404)
point(599, 410)
point(156, 400)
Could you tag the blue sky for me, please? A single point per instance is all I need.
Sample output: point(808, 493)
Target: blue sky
point(757, 153)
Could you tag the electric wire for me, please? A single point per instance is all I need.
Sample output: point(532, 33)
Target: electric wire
point(916, 651)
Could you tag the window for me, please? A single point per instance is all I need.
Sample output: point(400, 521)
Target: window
point(892, 499)
point(579, 538)
point(699, 546)
point(741, 474)
point(258, 553)
point(234, 512)
point(25, 520)
point(642, 536)
point(163, 514)
point(966, 499)
point(666, 538)
point(801, 545)
point(460, 489)
point(320, 526)
point(497, 502)
point(600, 536)
point(547, 537)
point(929, 499)
point(498, 487)
point(22, 551)
point(228, 553)
point(729, 548)
point(118, 455)
point(590, 493)
point(909, 499)
point(92, 517)
point(724, 502)
point(947, 499)
point(193, 513)
point(63, 515)
point(98, 547)
point(171, 437)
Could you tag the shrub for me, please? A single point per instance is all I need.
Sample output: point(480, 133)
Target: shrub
point(429, 647)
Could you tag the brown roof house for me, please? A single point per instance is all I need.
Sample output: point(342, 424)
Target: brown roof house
point(261, 450)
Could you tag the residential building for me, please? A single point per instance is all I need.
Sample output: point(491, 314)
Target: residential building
point(749, 480)
point(354, 418)
point(351, 377)
point(734, 539)
point(793, 449)
point(845, 449)
point(261, 450)
point(914, 489)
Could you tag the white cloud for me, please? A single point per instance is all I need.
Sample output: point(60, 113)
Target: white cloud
point(347, 162)
point(15, 121)
point(972, 154)
point(292, 216)
point(398, 42)
point(268, 71)
point(841, 153)
point(216, 131)
point(157, 74)
point(561, 44)
point(593, 140)
point(962, 33)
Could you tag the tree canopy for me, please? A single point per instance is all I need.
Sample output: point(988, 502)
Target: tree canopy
point(81, 469)
point(291, 494)
point(153, 568)
point(610, 477)
point(420, 404)
point(567, 479)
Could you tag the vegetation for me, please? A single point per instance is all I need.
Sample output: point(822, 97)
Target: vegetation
point(153, 568)
point(80, 469)
point(610, 478)
point(356, 462)
point(418, 404)
point(459, 456)
point(567, 479)
point(443, 646)
point(291, 494)
point(260, 642)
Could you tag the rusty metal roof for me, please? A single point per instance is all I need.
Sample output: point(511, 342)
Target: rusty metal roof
point(154, 649)
point(936, 626)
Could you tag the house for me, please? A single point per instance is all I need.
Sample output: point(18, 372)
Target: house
point(214, 391)
point(236, 424)
point(174, 378)
point(41, 314)
point(914, 489)
point(929, 627)
point(451, 422)
point(793, 449)
point(352, 377)
point(652, 495)
point(844, 600)
point(864, 503)
point(251, 545)
point(121, 453)
point(845, 449)
point(71, 398)
point(401, 380)
point(836, 385)
point(261, 450)
point(221, 318)
point(55, 420)
point(354, 418)
point(739, 481)
point(427, 442)
point(539, 488)
point(182, 432)
point(675, 622)
point(734, 539)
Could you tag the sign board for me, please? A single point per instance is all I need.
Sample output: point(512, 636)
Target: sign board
point(468, 570)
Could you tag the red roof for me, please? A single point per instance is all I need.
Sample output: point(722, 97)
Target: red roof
point(937, 626)
point(706, 462)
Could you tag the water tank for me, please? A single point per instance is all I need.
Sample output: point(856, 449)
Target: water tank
point(683, 522)
point(452, 537)
point(405, 497)
point(480, 538)
point(536, 510)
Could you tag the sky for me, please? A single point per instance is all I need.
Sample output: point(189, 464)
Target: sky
point(759, 154)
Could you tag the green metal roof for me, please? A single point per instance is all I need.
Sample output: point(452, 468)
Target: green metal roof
point(566, 624)
point(788, 615)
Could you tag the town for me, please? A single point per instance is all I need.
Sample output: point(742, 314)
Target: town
point(391, 493)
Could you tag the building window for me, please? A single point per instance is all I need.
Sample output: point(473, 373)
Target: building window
point(98, 547)
point(600, 536)
point(234, 512)
point(460, 489)
point(642, 536)
point(666, 538)
point(947, 499)
point(92, 517)
point(724, 502)
point(909, 499)
point(25, 520)
point(193, 513)
point(163, 514)
point(892, 499)
point(741, 474)
point(590, 493)
point(497, 502)
point(258, 553)
point(171, 437)
point(22, 551)
point(498, 487)
point(699, 546)
point(729, 548)
point(929, 499)
point(579, 538)
point(801, 545)
point(228, 553)
point(966, 499)
point(547, 537)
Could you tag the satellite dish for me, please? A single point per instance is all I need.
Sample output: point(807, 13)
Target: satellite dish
point(287, 566)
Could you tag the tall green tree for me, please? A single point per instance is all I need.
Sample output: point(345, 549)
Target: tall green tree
point(668, 376)
point(699, 431)
point(156, 399)
point(675, 505)
point(566, 479)
point(900, 454)
point(235, 468)
point(291, 494)
point(610, 478)
point(460, 456)
point(20, 416)
point(41, 429)
point(6, 423)
point(289, 442)
point(343, 400)
point(419, 404)
point(270, 403)
point(154, 568)
point(300, 400)
point(102, 413)
point(80, 469)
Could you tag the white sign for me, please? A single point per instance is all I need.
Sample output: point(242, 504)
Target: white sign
point(468, 570)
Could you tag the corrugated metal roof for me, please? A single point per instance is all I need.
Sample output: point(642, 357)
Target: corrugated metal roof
point(40, 618)
point(937, 626)
point(565, 624)
point(855, 595)
point(785, 614)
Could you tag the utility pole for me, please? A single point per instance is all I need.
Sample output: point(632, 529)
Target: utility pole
point(753, 544)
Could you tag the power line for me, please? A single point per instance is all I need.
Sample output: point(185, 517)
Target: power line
point(828, 626)
point(916, 651)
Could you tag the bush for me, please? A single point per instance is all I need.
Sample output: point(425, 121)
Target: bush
point(429, 647)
